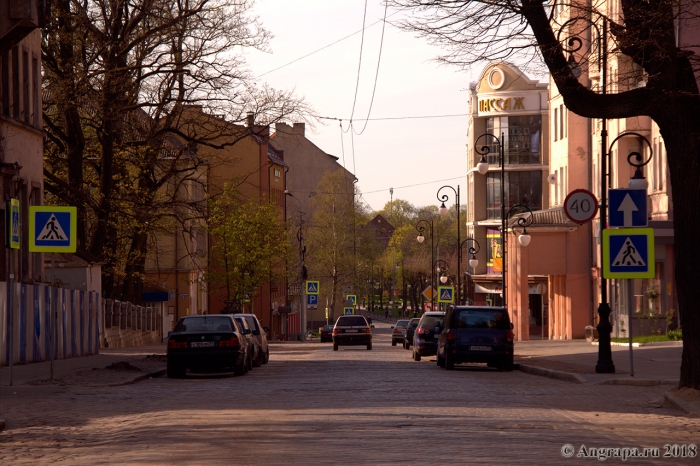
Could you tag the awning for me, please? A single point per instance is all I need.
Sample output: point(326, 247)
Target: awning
point(487, 288)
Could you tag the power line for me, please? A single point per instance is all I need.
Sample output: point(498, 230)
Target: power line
point(359, 64)
point(376, 75)
point(417, 184)
point(326, 46)
point(395, 118)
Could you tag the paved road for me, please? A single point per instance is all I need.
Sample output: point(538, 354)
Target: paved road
point(311, 405)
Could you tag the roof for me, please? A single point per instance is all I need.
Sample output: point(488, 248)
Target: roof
point(554, 217)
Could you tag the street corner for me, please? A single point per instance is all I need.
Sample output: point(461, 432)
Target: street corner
point(686, 400)
point(118, 373)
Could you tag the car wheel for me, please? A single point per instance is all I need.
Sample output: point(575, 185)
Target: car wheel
point(260, 360)
point(449, 362)
point(440, 361)
point(506, 364)
point(416, 356)
point(175, 371)
point(393, 342)
point(240, 368)
point(267, 356)
point(250, 363)
point(335, 346)
point(369, 346)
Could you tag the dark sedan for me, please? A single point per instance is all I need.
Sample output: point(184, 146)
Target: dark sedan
point(408, 333)
point(327, 334)
point(206, 343)
point(427, 334)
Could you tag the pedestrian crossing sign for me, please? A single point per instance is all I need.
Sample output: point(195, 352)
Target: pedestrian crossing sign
point(446, 294)
point(13, 223)
point(348, 310)
point(312, 287)
point(628, 253)
point(53, 229)
point(352, 298)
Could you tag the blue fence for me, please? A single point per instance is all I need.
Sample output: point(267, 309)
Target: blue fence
point(26, 327)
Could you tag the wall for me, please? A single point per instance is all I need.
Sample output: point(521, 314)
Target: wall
point(127, 325)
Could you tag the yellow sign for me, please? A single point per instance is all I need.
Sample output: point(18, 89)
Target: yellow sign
point(313, 287)
point(501, 105)
point(498, 264)
point(446, 294)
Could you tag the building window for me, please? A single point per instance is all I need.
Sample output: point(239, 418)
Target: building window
point(522, 136)
point(556, 126)
point(278, 172)
point(561, 122)
point(523, 188)
point(25, 86)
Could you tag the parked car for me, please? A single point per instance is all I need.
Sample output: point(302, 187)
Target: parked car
point(253, 346)
point(352, 330)
point(397, 331)
point(408, 333)
point(427, 333)
point(206, 342)
point(327, 334)
point(476, 334)
point(260, 334)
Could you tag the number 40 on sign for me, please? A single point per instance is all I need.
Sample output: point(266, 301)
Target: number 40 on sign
point(581, 206)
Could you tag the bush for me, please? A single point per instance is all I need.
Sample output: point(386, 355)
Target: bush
point(675, 335)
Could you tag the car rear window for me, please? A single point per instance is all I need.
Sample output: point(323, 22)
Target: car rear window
point(413, 323)
point(327, 327)
point(204, 324)
point(481, 318)
point(351, 321)
point(430, 321)
point(252, 322)
point(401, 323)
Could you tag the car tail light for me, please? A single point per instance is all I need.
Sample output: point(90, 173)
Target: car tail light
point(336, 331)
point(423, 331)
point(233, 341)
point(396, 330)
point(451, 335)
point(510, 335)
point(174, 344)
point(366, 330)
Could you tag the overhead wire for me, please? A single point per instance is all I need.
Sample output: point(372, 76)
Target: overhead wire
point(359, 64)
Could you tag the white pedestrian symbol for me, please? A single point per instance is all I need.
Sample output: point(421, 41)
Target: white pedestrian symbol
point(312, 287)
point(52, 231)
point(628, 256)
point(446, 295)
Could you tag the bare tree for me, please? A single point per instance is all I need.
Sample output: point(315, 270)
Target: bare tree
point(119, 78)
point(643, 31)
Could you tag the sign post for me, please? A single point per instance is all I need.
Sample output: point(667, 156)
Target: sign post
point(12, 241)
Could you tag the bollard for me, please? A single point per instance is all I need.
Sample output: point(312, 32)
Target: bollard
point(109, 310)
point(122, 316)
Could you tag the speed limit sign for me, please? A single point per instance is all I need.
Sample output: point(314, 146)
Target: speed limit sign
point(581, 206)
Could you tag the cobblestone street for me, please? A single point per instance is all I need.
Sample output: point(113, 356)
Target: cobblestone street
point(311, 405)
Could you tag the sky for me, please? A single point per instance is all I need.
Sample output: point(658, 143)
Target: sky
point(414, 156)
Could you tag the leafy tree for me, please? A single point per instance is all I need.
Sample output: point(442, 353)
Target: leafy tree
point(399, 212)
point(332, 235)
point(249, 244)
point(119, 76)
point(644, 37)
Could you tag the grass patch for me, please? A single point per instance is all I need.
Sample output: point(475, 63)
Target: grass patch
point(643, 339)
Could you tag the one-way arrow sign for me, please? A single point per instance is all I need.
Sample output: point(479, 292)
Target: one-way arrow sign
point(628, 208)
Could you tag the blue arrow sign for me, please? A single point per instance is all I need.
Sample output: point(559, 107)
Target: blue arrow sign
point(312, 299)
point(628, 208)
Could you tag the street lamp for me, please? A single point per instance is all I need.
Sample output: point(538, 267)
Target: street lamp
point(420, 239)
point(441, 267)
point(473, 261)
point(444, 211)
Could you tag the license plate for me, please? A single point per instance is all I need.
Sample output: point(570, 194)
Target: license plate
point(480, 348)
point(202, 344)
point(436, 336)
point(351, 331)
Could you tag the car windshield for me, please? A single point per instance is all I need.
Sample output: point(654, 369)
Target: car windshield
point(351, 321)
point(414, 323)
point(430, 321)
point(204, 324)
point(401, 323)
point(481, 318)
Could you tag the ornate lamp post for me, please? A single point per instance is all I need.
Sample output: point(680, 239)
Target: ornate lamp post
point(473, 261)
point(302, 274)
point(420, 239)
point(444, 211)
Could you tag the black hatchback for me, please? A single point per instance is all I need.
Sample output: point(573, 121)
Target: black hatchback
point(476, 334)
point(426, 336)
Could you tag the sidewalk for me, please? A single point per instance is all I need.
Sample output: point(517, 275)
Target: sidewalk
point(575, 360)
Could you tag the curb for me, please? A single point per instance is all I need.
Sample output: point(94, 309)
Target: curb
point(151, 375)
point(552, 374)
point(673, 401)
point(638, 382)
point(615, 343)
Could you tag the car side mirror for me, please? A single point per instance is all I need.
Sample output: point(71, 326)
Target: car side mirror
point(267, 329)
point(371, 326)
point(170, 333)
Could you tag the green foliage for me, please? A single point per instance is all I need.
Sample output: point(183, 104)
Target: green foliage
point(675, 335)
point(249, 244)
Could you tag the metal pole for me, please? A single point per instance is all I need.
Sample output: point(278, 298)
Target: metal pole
point(630, 299)
point(52, 313)
point(503, 219)
point(10, 313)
point(605, 363)
point(459, 255)
point(432, 271)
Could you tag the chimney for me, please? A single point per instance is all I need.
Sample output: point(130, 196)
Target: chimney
point(250, 120)
point(299, 128)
